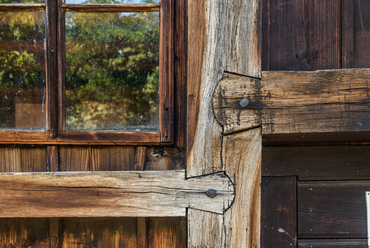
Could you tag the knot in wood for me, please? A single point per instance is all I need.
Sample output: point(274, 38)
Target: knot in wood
point(211, 193)
point(244, 102)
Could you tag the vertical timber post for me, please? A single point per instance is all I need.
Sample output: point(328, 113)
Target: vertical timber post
point(223, 36)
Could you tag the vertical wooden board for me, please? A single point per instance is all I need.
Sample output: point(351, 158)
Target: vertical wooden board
point(10, 159)
point(180, 73)
point(324, 34)
point(23, 158)
point(242, 162)
point(239, 226)
point(302, 35)
point(206, 62)
point(205, 229)
point(347, 33)
point(99, 232)
point(75, 158)
point(24, 233)
point(242, 38)
point(53, 158)
point(33, 158)
point(167, 232)
point(361, 34)
point(112, 158)
point(279, 212)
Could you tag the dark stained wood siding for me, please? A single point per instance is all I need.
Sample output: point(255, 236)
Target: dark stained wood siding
point(315, 34)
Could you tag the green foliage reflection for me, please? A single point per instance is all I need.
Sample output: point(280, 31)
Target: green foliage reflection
point(112, 71)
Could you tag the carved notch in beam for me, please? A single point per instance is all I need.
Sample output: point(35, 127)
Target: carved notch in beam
point(295, 102)
point(112, 194)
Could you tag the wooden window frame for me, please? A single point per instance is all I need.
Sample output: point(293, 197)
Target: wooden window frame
point(55, 132)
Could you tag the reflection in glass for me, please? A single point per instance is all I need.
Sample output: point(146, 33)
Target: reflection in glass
point(22, 70)
point(109, 1)
point(112, 71)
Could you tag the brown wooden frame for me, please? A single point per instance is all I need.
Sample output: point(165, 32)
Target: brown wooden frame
point(55, 86)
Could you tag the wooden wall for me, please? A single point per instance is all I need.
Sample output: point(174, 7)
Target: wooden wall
point(104, 232)
point(314, 196)
point(91, 232)
point(315, 34)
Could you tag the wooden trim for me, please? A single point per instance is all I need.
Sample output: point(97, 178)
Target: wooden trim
point(99, 8)
point(166, 75)
point(22, 7)
point(296, 103)
point(111, 194)
point(82, 138)
point(51, 67)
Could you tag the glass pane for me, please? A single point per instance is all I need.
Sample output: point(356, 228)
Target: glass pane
point(22, 1)
point(22, 70)
point(112, 71)
point(109, 1)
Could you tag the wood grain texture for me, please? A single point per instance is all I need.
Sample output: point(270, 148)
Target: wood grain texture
point(332, 209)
point(317, 162)
point(333, 243)
point(279, 212)
point(242, 38)
point(212, 26)
point(240, 225)
point(30, 232)
point(108, 194)
point(99, 232)
point(301, 35)
point(167, 232)
point(147, 7)
point(296, 102)
point(23, 7)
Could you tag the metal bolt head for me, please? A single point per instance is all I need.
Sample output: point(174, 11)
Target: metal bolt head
point(244, 102)
point(211, 193)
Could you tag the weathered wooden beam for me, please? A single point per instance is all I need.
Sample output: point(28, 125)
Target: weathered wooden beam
point(112, 194)
point(295, 102)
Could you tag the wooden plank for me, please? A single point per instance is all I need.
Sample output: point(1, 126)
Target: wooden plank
point(31, 232)
point(75, 158)
point(136, 7)
point(53, 158)
point(317, 163)
point(39, 7)
point(332, 209)
point(167, 232)
point(296, 102)
point(242, 38)
point(293, 35)
point(108, 194)
point(99, 232)
point(114, 158)
point(348, 37)
point(206, 25)
point(240, 225)
point(166, 71)
point(279, 212)
point(361, 19)
point(333, 243)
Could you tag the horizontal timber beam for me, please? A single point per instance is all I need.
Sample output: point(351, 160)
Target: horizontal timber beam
point(112, 194)
point(293, 107)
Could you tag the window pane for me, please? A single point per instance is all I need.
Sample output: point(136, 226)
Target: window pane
point(22, 70)
point(109, 1)
point(112, 71)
